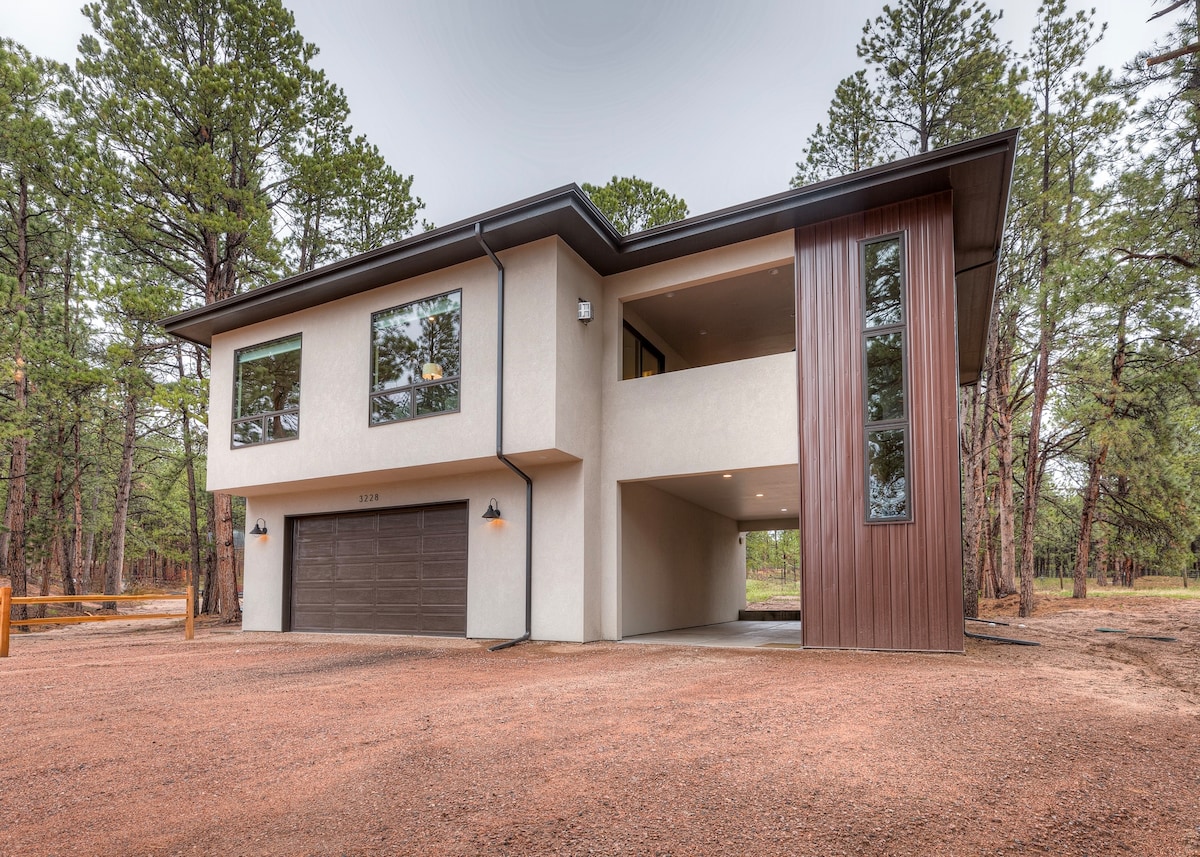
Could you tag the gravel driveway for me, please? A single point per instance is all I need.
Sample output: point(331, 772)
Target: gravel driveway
point(139, 743)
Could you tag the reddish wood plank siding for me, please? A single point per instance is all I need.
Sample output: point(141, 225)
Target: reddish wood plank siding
point(879, 586)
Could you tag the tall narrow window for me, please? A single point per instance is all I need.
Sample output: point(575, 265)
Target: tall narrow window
point(266, 392)
point(888, 494)
point(416, 354)
point(639, 359)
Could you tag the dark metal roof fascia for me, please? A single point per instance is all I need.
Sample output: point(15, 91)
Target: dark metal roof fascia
point(569, 213)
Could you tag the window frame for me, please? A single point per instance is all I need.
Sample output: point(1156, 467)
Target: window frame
point(644, 345)
point(416, 385)
point(263, 416)
point(903, 423)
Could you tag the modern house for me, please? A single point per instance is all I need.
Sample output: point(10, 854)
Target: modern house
point(525, 423)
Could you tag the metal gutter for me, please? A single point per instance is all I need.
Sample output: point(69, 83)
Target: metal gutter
point(500, 444)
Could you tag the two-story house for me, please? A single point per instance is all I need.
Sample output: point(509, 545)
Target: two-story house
point(525, 423)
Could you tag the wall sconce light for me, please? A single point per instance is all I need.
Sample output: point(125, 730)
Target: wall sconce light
point(431, 371)
point(585, 311)
point(493, 511)
point(260, 528)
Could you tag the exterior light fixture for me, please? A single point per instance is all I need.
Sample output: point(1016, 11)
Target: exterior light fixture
point(585, 311)
point(493, 511)
point(431, 371)
point(260, 528)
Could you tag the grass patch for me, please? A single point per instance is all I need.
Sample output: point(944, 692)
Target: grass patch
point(1156, 586)
point(765, 590)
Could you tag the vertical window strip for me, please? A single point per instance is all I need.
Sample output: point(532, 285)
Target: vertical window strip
point(886, 434)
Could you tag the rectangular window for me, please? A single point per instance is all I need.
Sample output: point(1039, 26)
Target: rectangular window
point(639, 359)
point(266, 392)
point(885, 408)
point(416, 352)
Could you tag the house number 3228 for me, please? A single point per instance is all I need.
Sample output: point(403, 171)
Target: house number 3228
point(368, 498)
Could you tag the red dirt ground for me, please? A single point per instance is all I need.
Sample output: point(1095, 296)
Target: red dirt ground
point(127, 741)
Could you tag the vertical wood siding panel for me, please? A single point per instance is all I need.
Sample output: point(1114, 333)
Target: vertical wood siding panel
point(861, 568)
point(952, 600)
point(809, 245)
point(845, 357)
point(924, 353)
point(828, 380)
point(809, 551)
point(892, 585)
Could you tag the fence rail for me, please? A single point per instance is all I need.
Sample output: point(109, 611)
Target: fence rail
point(7, 601)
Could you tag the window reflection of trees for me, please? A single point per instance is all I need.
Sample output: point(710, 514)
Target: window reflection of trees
point(881, 263)
point(267, 406)
point(423, 338)
point(887, 479)
point(885, 377)
point(885, 408)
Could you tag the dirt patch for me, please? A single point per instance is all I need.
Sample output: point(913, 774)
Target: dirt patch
point(268, 744)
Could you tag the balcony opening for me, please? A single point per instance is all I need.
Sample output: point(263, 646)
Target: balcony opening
point(748, 315)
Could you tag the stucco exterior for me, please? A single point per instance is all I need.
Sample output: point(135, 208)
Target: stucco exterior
point(643, 489)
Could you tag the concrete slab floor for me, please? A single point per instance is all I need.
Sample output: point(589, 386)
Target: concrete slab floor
point(734, 635)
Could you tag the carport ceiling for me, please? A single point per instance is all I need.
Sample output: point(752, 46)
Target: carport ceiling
point(737, 496)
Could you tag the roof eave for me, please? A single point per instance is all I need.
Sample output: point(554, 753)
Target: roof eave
point(569, 213)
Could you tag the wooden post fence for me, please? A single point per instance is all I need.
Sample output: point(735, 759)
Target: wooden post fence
point(7, 601)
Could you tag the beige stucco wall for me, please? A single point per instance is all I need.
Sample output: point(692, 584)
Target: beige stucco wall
point(495, 551)
point(681, 565)
point(569, 422)
point(335, 438)
point(705, 419)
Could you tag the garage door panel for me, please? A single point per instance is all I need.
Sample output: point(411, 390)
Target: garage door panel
point(445, 517)
point(403, 546)
point(385, 571)
point(313, 594)
point(448, 543)
point(398, 593)
point(314, 570)
point(356, 546)
point(351, 525)
point(355, 596)
point(442, 597)
point(398, 619)
point(314, 548)
point(441, 570)
point(401, 571)
point(349, 619)
point(436, 623)
point(401, 520)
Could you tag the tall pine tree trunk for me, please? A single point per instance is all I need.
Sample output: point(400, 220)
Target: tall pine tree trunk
point(1091, 493)
point(189, 463)
point(115, 563)
point(14, 510)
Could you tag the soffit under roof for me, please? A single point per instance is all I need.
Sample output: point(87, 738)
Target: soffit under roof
point(978, 172)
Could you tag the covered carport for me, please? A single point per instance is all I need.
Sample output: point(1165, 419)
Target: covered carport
point(683, 553)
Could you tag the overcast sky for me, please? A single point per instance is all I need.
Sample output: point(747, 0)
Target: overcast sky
point(486, 102)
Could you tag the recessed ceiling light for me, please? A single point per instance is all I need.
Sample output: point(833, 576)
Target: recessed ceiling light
point(783, 510)
point(758, 495)
point(704, 333)
point(726, 475)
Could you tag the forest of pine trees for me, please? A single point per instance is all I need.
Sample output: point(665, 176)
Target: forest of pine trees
point(196, 151)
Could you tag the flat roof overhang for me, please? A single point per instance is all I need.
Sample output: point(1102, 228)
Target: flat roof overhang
point(978, 173)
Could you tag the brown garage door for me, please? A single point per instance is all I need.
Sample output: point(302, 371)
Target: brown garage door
point(399, 571)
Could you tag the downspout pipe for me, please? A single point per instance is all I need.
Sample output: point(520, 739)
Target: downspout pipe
point(500, 445)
